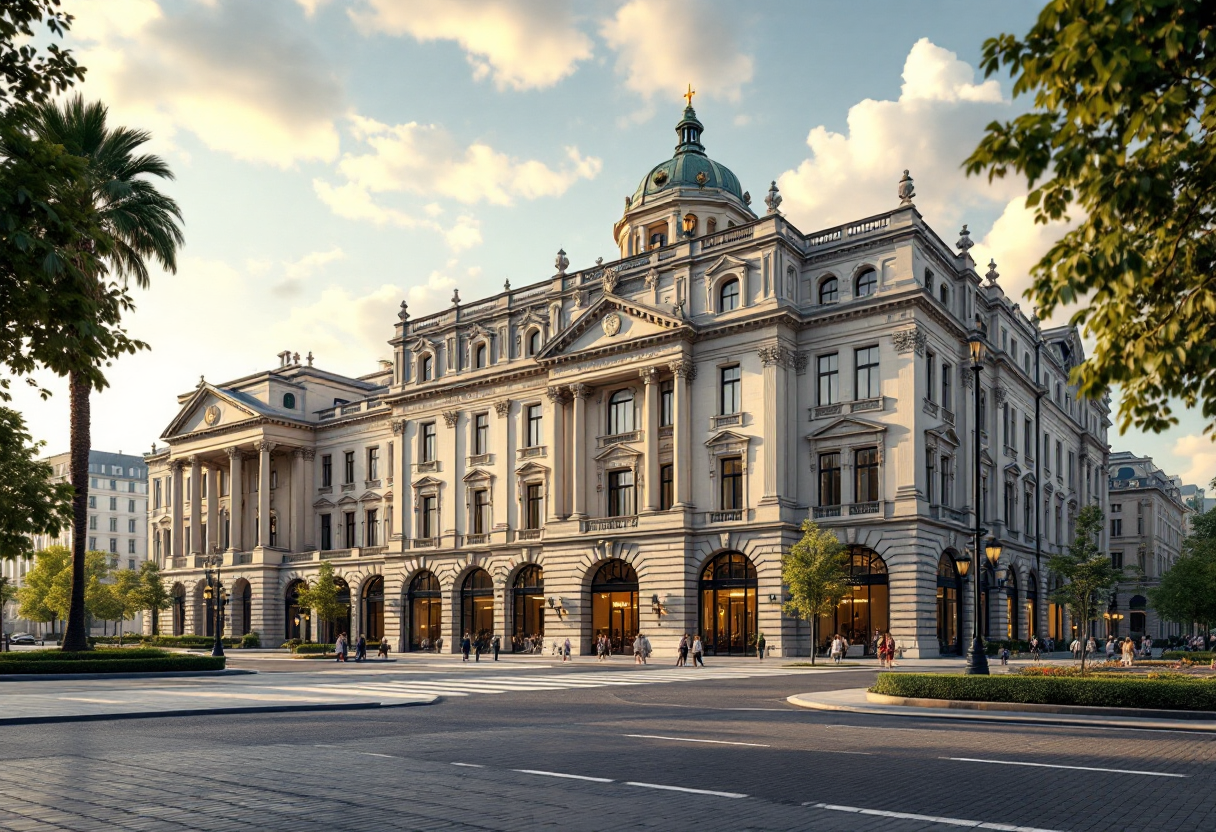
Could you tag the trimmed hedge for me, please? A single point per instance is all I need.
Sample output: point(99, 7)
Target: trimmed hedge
point(1196, 656)
point(1097, 691)
point(101, 654)
point(312, 647)
point(104, 661)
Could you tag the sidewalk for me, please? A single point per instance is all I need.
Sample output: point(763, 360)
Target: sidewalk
point(855, 701)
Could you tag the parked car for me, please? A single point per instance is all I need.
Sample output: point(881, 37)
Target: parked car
point(22, 638)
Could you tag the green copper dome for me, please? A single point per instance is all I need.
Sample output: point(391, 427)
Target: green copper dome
point(689, 168)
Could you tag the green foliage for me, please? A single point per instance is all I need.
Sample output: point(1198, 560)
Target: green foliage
point(101, 654)
point(321, 596)
point(1196, 656)
point(152, 594)
point(26, 75)
point(816, 571)
point(1123, 133)
point(1090, 577)
point(1014, 645)
point(47, 590)
point(312, 647)
point(30, 503)
point(106, 661)
point(1175, 693)
point(195, 642)
point(8, 590)
point(251, 640)
point(1186, 593)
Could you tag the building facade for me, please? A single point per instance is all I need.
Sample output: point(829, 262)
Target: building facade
point(632, 446)
point(1148, 521)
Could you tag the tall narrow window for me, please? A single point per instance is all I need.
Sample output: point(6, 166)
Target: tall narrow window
point(1028, 513)
point(348, 471)
point(534, 425)
point(534, 342)
point(930, 486)
point(829, 479)
point(428, 521)
point(156, 492)
point(944, 476)
point(1027, 437)
point(426, 368)
point(1006, 419)
point(327, 470)
point(481, 434)
point(348, 519)
point(479, 357)
point(620, 412)
point(867, 379)
point(930, 373)
point(1009, 504)
point(533, 505)
point(666, 486)
point(481, 511)
point(371, 531)
point(828, 371)
point(732, 483)
point(731, 390)
point(666, 396)
point(428, 450)
point(373, 463)
point(866, 475)
point(728, 296)
point(327, 533)
point(620, 493)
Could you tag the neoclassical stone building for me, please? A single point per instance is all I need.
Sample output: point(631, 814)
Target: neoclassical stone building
point(633, 445)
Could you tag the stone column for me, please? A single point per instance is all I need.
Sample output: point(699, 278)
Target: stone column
point(504, 465)
point(557, 444)
point(179, 545)
point(650, 377)
point(264, 449)
point(774, 359)
point(402, 503)
point(213, 509)
point(297, 500)
point(236, 500)
point(684, 371)
point(578, 467)
point(196, 506)
point(308, 521)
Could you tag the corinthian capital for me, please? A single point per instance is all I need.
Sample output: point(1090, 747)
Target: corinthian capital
point(265, 446)
point(650, 375)
point(682, 368)
point(580, 391)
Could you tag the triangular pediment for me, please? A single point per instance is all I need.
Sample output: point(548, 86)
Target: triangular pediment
point(617, 451)
point(847, 426)
point(478, 475)
point(322, 503)
point(370, 497)
point(1013, 469)
point(613, 322)
point(986, 458)
point(529, 468)
point(1030, 478)
point(210, 407)
point(726, 437)
point(726, 263)
point(347, 500)
point(427, 482)
point(945, 433)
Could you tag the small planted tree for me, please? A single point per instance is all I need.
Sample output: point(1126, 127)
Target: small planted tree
point(816, 571)
point(127, 596)
point(152, 594)
point(321, 596)
point(1090, 575)
point(43, 596)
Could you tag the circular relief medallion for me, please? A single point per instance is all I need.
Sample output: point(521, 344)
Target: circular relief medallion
point(660, 178)
point(212, 414)
point(611, 323)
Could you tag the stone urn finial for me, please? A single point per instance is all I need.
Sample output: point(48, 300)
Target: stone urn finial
point(562, 262)
point(455, 297)
point(907, 190)
point(773, 200)
point(992, 274)
point(404, 314)
point(965, 242)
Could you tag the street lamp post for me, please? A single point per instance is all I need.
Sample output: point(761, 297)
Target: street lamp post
point(977, 659)
point(215, 592)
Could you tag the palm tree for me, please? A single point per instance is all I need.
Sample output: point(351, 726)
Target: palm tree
point(132, 221)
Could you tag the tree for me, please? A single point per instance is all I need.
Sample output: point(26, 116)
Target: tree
point(41, 596)
point(321, 596)
point(127, 590)
point(1090, 576)
point(1186, 593)
point(30, 503)
point(133, 221)
point(151, 592)
point(1123, 132)
point(27, 76)
point(816, 571)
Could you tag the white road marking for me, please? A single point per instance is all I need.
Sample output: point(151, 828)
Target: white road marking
point(469, 765)
point(373, 754)
point(1070, 768)
point(974, 824)
point(683, 789)
point(690, 739)
point(565, 776)
point(94, 701)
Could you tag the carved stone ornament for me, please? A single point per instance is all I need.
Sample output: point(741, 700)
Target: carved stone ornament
point(403, 315)
point(212, 414)
point(611, 324)
point(910, 340)
point(992, 274)
point(968, 378)
point(265, 446)
point(580, 391)
point(562, 262)
point(558, 395)
point(503, 407)
point(450, 417)
point(684, 369)
point(801, 360)
point(999, 395)
point(965, 242)
point(233, 452)
point(907, 190)
point(649, 375)
point(310, 453)
point(773, 200)
point(775, 355)
point(611, 278)
point(652, 279)
point(398, 426)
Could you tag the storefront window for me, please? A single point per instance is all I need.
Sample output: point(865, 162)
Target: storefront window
point(728, 605)
point(477, 607)
point(528, 597)
point(373, 609)
point(425, 611)
point(865, 609)
point(949, 609)
point(614, 604)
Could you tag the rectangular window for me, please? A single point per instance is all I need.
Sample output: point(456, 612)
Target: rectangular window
point(1072, 465)
point(865, 485)
point(1028, 436)
point(391, 459)
point(131, 551)
point(92, 502)
point(327, 533)
point(732, 483)
point(731, 390)
point(114, 544)
point(274, 475)
point(1116, 508)
point(93, 522)
point(929, 477)
point(373, 463)
point(1140, 526)
point(1013, 349)
point(371, 532)
point(1006, 419)
point(113, 524)
point(930, 374)
point(828, 373)
point(428, 439)
point(327, 470)
point(1047, 452)
point(428, 523)
point(1028, 513)
point(620, 493)
point(867, 381)
point(113, 485)
point(131, 526)
point(481, 511)
point(1116, 560)
point(534, 426)
point(944, 476)
point(1059, 526)
point(481, 433)
point(156, 494)
point(1009, 504)
point(348, 467)
point(829, 479)
point(202, 494)
point(666, 486)
point(131, 506)
point(533, 505)
point(947, 398)
point(348, 538)
point(1059, 457)
point(93, 482)
point(982, 418)
point(113, 504)
point(92, 544)
point(666, 402)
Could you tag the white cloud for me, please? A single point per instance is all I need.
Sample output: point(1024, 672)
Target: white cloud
point(663, 44)
point(466, 233)
point(521, 44)
point(353, 202)
point(297, 271)
point(343, 329)
point(1200, 452)
point(1017, 243)
point(245, 78)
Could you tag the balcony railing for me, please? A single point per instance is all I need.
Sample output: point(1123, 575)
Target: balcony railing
point(730, 236)
point(861, 405)
point(425, 543)
point(824, 410)
point(532, 452)
point(429, 467)
point(372, 551)
point(241, 557)
point(734, 516)
point(825, 511)
point(298, 557)
point(1010, 452)
point(929, 407)
point(348, 486)
point(325, 489)
point(481, 459)
point(607, 524)
point(179, 563)
point(529, 534)
point(477, 539)
point(371, 483)
point(865, 508)
point(726, 420)
point(957, 515)
point(665, 432)
point(948, 416)
point(620, 438)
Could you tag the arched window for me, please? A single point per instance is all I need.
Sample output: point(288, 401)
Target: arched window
point(949, 605)
point(328, 631)
point(728, 605)
point(867, 283)
point(240, 607)
point(534, 342)
point(528, 603)
point(620, 412)
point(299, 621)
point(477, 607)
point(728, 296)
point(614, 604)
point(865, 609)
point(1055, 614)
point(373, 609)
point(1012, 608)
point(829, 290)
point(479, 357)
point(289, 401)
point(425, 605)
point(426, 368)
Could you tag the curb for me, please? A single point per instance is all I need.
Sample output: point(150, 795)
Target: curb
point(169, 674)
point(252, 709)
point(812, 701)
point(1038, 708)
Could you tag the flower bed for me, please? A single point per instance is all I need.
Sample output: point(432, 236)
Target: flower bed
point(1196, 656)
point(137, 660)
point(1167, 692)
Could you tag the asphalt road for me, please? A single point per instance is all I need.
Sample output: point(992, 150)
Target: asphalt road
point(603, 758)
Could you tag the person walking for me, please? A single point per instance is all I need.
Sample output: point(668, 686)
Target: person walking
point(1129, 652)
point(439, 644)
point(760, 645)
point(1091, 646)
point(566, 651)
point(698, 651)
point(495, 646)
point(1004, 656)
point(637, 649)
point(1110, 648)
point(1035, 648)
point(341, 646)
point(383, 651)
point(682, 652)
point(361, 648)
point(837, 648)
point(465, 646)
point(479, 644)
point(1075, 647)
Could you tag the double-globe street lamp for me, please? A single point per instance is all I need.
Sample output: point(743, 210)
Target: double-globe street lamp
point(214, 591)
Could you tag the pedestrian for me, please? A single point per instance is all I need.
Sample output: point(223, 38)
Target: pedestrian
point(479, 644)
point(837, 648)
point(760, 645)
point(1129, 652)
point(682, 652)
point(495, 645)
point(439, 644)
point(361, 648)
point(1075, 647)
point(638, 647)
point(1034, 647)
point(1004, 655)
point(383, 651)
point(1110, 648)
point(465, 646)
point(697, 652)
point(566, 650)
point(341, 647)
point(1091, 646)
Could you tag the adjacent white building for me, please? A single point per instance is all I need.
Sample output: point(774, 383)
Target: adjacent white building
point(633, 445)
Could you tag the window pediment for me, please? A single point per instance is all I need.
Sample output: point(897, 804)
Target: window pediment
point(943, 434)
point(370, 497)
point(727, 263)
point(347, 501)
point(478, 475)
point(531, 469)
point(847, 427)
point(1013, 470)
point(427, 483)
point(623, 453)
point(323, 504)
point(592, 330)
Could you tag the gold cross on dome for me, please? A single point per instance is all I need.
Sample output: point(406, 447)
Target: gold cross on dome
point(688, 95)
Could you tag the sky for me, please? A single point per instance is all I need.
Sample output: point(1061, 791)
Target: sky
point(335, 157)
